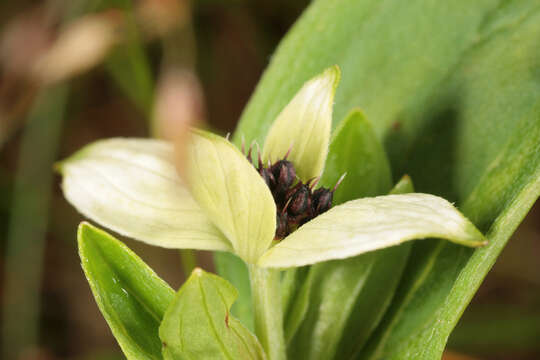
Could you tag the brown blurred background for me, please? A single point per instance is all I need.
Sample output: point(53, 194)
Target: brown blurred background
point(74, 71)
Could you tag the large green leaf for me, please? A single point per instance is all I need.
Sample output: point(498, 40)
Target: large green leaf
point(452, 90)
point(131, 297)
point(356, 151)
point(197, 324)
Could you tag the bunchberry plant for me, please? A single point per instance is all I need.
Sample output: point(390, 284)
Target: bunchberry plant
point(267, 208)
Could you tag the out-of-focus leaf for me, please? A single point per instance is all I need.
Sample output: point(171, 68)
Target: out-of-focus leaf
point(131, 297)
point(456, 101)
point(26, 202)
point(232, 194)
point(129, 66)
point(368, 224)
point(304, 125)
point(128, 63)
point(131, 186)
point(497, 328)
point(197, 325)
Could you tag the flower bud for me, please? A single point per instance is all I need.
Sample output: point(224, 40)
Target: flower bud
point(284, 174)
point(267, 177)
point(322, 200)
point(282, 225)
point(300, 200)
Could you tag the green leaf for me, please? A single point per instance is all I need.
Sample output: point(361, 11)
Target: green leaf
point(404, 186)
point(356, 151)
point(349, 298)
point(232, 193)
point(368, 224)
point(131, 297)
point(303, 126)
point(377, 292)
point(333, 289)
point(131, 187)
point(235, 270)
point(295, 298)
point(197, 324)
point(129, 67)
point(456, 103)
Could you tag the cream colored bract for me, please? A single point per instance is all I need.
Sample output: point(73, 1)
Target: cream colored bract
point(131, 186)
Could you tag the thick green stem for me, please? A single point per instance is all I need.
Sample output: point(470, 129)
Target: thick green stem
point(189, 261)
point(267, 310)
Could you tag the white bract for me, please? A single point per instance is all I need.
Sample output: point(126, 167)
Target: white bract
point(131, 186)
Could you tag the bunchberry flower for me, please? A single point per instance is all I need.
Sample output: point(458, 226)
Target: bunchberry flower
point(227, 203)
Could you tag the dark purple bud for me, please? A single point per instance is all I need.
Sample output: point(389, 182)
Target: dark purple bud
point(282, 225)
point(300, 201)
point(267, 177)
point(284, 174)
point(322, 200)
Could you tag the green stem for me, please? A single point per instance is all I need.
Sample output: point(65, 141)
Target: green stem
point(267, 310)
point(189, 261)
point(25, 243)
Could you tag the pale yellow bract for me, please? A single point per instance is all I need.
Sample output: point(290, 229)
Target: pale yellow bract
point(131, 186)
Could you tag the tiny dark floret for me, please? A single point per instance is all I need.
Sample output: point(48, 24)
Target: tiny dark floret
point(296, 202)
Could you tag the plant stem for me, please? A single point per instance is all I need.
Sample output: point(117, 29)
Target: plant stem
point(267, 310)
point(189, 261)
point(25, 243)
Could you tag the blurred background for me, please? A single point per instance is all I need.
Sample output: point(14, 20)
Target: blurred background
point(74, 71)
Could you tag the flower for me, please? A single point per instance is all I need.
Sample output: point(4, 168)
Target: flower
point(131, 186)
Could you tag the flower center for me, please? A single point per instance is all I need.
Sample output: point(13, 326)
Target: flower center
point(296, 202)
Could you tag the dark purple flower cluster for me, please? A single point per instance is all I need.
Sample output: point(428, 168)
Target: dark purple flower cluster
point(296, 202)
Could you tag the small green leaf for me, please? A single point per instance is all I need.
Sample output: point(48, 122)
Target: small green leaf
point(232, 193)
point(356, 150)
point(233, 269)
point(404, 186)
point(198, 325)
point(304, 126)
point(131, 187)
point(131, 297)
point(363, 225)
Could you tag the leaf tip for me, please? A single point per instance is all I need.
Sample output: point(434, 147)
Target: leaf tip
point(198, 272)
point(82, 229)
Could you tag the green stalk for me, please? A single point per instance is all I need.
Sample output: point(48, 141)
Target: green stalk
point(25, 243)
point(267, 310)
point(189, 261)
